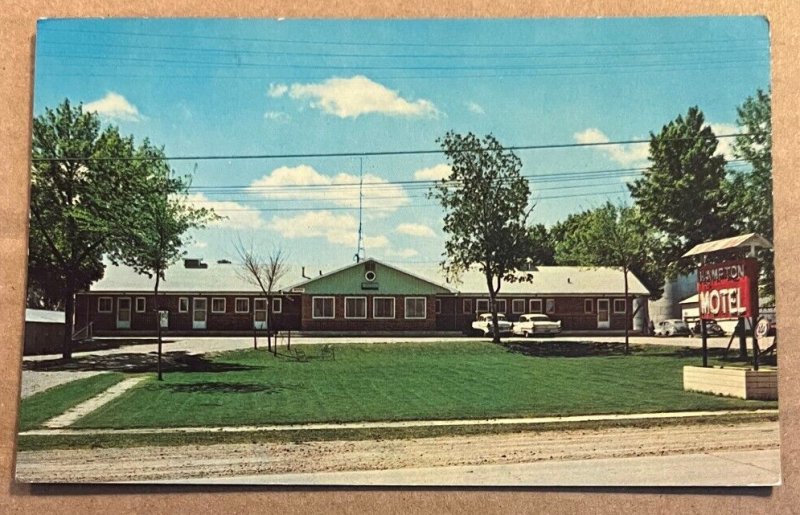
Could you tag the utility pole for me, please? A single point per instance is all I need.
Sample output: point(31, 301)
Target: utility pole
point(360, 250)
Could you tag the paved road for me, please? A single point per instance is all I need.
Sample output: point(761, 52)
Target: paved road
point(741, 468)
point(199, 345)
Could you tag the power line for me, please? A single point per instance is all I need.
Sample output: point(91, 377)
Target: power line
point(155, 62)
point(386, 208)
point(232, 157)
point(403, 44)
point(240, 51)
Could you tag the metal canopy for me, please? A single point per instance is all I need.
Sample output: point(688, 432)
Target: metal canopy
point(751, 240)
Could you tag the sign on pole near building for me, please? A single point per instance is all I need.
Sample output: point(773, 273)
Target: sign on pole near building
point(728, 290)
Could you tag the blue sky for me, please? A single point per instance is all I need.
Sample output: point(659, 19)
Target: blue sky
point(277, 87)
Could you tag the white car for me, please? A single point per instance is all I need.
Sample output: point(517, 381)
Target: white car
point(483, 325)
point(536, 323)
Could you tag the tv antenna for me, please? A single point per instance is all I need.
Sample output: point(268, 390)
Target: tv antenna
point(360, 250)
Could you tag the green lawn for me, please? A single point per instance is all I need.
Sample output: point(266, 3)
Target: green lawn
point(413, 381)
point(42, 406)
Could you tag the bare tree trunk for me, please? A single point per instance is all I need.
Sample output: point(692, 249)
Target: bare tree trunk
point(157, 309)
point(269, 323)
point(69, 315)
point(627, 309)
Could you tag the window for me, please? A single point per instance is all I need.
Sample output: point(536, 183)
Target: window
point(501, 305)
point(467, 306)
point(416, 307)
point(518, 306)
point(619, 305)
point(550, 306)
point(141, 304)
point(218, 304)
point(242, 305)
point(438, 306)
point(482, 305)
point(383, 307)
point(535, 306)
point(322, 307)
point(277, 305)
point(183, 304)
point(587, 305)
point(355, 307)
point(104, 305)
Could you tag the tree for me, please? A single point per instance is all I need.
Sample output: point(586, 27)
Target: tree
point(751, 190)
point(85, 187)
point(682, 195)
point(485, 199)
point(609, 236)
point(157, 240)
point(542, 245)
point(266, 274)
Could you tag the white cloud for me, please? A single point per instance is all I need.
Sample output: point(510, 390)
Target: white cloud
point(355, 96)
point(114, 106)
point(235, 215)
point(277, 90)
point(339, 229)
point(475, 108)
point(303, 182)
point(636, 153)
point(725, 145)
point(276, 116)
point(434, 173)
point(420, 230)
point(401, 253)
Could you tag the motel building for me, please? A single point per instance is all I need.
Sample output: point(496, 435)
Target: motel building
point(367, 297)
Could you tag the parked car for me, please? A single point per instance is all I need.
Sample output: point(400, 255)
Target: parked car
point(673, 327)
point(712, 328)
point(483, 325)
point(536, 323)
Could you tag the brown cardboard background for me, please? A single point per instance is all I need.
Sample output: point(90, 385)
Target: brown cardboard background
point(17, 29)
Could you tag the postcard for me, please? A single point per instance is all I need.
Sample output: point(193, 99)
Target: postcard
point(472, 252)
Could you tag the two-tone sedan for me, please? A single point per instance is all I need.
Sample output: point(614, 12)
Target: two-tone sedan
point(533, 324)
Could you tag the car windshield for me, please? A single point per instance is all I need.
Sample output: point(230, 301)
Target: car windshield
point(679, 324)
point(488, 316)
point(538, 318)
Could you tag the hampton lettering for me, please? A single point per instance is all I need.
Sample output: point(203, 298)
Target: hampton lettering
point(721, 301)
point(721, 273)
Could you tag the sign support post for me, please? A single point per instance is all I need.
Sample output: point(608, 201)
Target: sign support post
point(704, 334)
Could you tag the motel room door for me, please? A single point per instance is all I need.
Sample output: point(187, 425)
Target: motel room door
point(259, 313)
point(124, 313)
point(199, 312)
point(603, 315)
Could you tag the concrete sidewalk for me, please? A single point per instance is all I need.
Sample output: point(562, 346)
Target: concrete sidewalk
point(200, 345)
point(733, 468)
point(401, 424)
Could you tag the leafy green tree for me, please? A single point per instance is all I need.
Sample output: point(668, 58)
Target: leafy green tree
point(486, 206)
point(751, 190)
point(85, 187)
point(164, 218)
point(542, 245)
point(682, 195)
point(612, 236)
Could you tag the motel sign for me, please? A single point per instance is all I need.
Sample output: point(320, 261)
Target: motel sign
point(728, 290)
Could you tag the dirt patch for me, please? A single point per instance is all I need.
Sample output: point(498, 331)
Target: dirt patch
point(195, 461)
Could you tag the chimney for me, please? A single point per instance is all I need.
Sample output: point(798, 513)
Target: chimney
point(303, 273)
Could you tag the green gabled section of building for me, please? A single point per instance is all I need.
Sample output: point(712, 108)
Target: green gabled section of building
point(370, 277)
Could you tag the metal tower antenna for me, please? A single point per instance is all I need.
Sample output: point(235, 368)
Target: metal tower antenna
point(360, 250)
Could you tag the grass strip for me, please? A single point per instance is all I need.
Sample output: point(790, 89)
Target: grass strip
point(42, 443)
point(414, 381)
point(43, 406)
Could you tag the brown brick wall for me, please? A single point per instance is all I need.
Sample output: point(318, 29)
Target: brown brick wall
point(398, 323)
point(569, 310)
point(86, 311)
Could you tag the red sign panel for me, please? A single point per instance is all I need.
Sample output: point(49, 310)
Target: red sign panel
point(728, 290)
